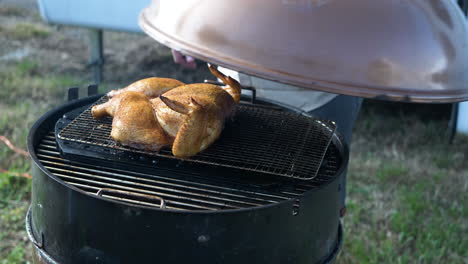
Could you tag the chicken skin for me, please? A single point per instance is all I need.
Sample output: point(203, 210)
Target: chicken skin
point(151, 87)
point(189, 117)
point(134, 123)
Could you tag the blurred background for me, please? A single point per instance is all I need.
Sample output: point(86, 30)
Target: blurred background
point(407, 186)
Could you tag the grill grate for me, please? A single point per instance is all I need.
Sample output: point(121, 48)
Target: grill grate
point(180, 190)
point(258, 139)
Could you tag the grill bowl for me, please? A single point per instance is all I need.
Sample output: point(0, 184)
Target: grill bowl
point(73, 225)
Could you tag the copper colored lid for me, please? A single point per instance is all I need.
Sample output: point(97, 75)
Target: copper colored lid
point(409, 50)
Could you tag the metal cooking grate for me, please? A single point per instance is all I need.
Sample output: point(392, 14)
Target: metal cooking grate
point(181, 190)
point(257, 139)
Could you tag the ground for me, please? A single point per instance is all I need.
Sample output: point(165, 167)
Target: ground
point(407, 186)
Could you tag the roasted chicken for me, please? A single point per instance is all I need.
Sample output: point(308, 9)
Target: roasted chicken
point(189, 117)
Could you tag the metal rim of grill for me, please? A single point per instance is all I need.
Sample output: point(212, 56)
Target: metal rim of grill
point(262, 140)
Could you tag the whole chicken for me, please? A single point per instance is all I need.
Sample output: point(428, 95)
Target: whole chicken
point(190, 117)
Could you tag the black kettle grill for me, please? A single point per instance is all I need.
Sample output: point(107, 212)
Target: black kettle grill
point(94, 202)
point(271, 197)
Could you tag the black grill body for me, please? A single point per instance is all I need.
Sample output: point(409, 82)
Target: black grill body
point(70, 225)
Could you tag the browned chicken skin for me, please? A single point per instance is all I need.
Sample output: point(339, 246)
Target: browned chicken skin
point(134, 123)
point(189, 117)
point(151, 87)
point(194, 114)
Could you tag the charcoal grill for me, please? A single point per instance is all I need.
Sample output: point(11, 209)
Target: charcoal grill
point(135, 210)
point(121, 207)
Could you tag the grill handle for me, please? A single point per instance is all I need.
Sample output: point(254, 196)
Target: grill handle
point(162, 203)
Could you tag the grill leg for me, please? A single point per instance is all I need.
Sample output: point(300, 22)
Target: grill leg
point(452, 128)
point(96, 53)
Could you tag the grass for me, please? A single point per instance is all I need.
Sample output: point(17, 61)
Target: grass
point(407, 188)
point(17, 255)
point(25, 30)
point(15, 247)
point(11, 11)
point(14, 197)
point(23, 82)
point(25, 95)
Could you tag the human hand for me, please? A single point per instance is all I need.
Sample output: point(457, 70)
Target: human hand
point(185, 61)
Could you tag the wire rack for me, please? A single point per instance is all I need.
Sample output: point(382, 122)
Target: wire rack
point(257, 139)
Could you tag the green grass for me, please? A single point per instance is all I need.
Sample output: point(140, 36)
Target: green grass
point(25, 94)
point(407, 188)
point(12, 11)
point(391, 172)
point(25, 30)
point(14, 196)
point(13, 187)
point(16, 255)
point(25, 67)
point(24, 82)
point(15, 247)
point(417, 228)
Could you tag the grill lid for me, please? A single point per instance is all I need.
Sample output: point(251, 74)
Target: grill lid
point(399, 50)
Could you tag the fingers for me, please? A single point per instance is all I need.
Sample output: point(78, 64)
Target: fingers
point(185, 61)
point(177, 56)
point(189, 59)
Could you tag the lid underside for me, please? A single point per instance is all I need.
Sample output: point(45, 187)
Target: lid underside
point(395, 50)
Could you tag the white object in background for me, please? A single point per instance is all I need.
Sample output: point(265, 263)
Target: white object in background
point(102, 14)
point(462, 118)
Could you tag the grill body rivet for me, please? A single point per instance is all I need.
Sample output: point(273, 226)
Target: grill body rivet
point(203, 238)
